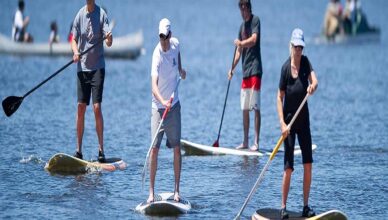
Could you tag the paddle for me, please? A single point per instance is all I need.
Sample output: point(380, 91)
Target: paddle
point(274, 151)
point(12, 103)
point(143, 172)
point(216, 144)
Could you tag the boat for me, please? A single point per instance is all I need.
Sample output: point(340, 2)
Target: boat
point(191, 148)
point(372, 36)
point(270, 213)
point(126, 47)
point(353, 29)
point(164, 205)
point(65, 164)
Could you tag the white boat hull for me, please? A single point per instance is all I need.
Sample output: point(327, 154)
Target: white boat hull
point(127, 47)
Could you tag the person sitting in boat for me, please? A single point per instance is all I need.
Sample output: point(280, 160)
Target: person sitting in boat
point(20, 24)
point(333, 22)
point(54, 37)
point(359, 20)
point(347, 17)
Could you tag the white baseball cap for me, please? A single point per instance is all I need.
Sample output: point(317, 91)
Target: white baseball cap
point(164, 26)
point(297, 37)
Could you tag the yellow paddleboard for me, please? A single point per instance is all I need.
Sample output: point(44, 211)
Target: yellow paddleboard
point(62, 163)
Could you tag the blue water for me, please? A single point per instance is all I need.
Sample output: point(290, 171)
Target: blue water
point(349, 117)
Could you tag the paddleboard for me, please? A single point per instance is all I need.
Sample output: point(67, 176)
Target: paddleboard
point(191, 148)
point(164, 205)
point(269, 214)
point(65, 164)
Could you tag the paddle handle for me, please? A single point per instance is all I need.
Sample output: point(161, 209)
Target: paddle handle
point(61, 69)
point(226, 98)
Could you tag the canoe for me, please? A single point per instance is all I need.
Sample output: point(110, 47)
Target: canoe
point(191, 148)
point(360, 38)
point(270, 213)
point(164, 205)
point(62, 163)
point(127, 47)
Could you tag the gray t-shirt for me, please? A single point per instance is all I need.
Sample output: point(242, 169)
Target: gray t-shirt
point(88, 29)
point(251, 57)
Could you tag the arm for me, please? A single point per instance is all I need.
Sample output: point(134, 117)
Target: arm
point(107, 30)
point(249, 42)
point(235, 62)
point(283, 125)
point(109, 39)
point(313, 83)
point(74, 47)
point(182, 72)
point(156, 92)
point(26, 21)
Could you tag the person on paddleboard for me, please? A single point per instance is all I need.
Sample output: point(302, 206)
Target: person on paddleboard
point(165, 70)
point(248, 47)
point(296, 80)
point(90, 26)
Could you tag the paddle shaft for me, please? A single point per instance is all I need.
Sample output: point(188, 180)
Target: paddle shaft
point(274, 151)
point(226, 98)
point(64, 67)
point(157, 132)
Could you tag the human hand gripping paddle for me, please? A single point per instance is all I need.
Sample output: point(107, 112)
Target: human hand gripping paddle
point(274, 151)
point(146, 162)
point(216, 144)
point(12, 103)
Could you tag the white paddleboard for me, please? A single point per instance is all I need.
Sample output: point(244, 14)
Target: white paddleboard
point(269, 213)
point(62, 163)
point(164, 205)
point(191, 148)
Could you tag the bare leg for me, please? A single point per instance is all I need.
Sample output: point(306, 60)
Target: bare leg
point(257, 127)
point(153, 168)
point(177, 171)
point(99, 125)
point(306, 182)
point(286, 186)
point(80, 121)
point(246, 127)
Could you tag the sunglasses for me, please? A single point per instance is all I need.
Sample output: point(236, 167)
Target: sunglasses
point(164, 37)
point(298, 47)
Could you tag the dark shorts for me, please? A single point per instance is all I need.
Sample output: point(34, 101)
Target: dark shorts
point(90, 83)
point(304, 139)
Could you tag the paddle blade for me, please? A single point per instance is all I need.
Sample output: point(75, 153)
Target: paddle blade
point(11, 104)
point(216, 144)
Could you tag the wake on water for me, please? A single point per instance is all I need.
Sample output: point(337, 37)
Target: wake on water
point(31, 158)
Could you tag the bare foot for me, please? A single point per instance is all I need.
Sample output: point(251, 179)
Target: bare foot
point(254, 148)
point(241, 146)
point(150, 198)
point(177, 198)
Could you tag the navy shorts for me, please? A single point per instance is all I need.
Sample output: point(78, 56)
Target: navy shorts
point(90, 83)
point(304, 138)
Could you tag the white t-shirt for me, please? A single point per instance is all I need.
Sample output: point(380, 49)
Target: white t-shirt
point(165, 66)
point(17, 23)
